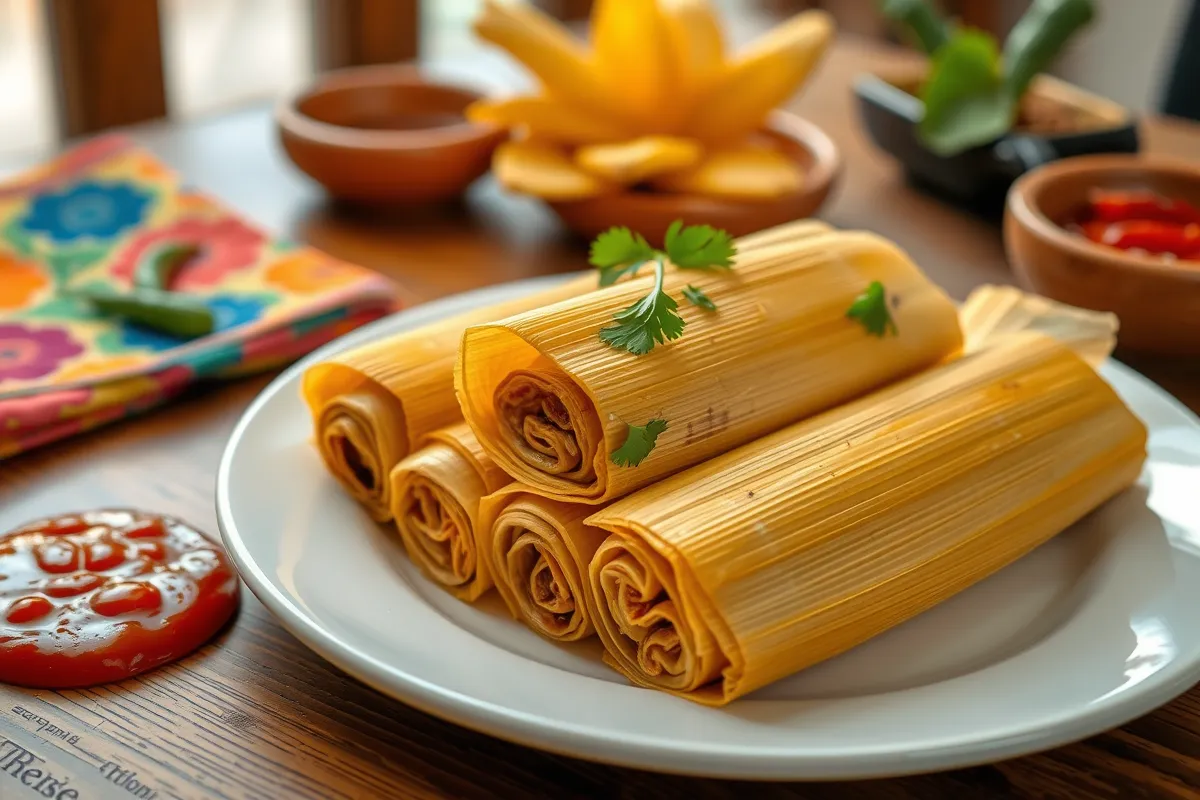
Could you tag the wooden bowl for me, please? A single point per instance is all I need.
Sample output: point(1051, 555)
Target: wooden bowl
point(1157, 302)
point(651, 213)
point(386, 134)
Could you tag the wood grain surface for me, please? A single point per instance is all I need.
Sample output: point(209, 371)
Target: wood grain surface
point(256, 715)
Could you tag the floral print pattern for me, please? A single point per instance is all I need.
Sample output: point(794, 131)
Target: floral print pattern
point(38, 410)
point(88, 209)
point(308, 272)
point(230, 311)
point(84, 221)
point(126, 336)
point(27, 353)
point(20, 282)
point(99, 368)
point(225, 245)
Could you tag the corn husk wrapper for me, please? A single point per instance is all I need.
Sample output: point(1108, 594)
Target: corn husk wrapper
point(539, 550)
point(991, 312)
point(372, 404)
point(435, 506)
point(807, 542)
point(550, 401)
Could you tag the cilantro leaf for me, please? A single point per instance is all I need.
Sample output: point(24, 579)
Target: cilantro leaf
point(698, 246)
point(655, 318)
point(618, 251)
point(697, 297)
point(610, 275)
point(871, 310)
point(638, 443)
point(652, 319)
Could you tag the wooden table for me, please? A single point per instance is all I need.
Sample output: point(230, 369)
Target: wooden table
point(256, 715)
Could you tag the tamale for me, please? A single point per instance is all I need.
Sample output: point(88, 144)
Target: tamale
point(435, 505)
point(796, 547)
point(371, 404)
point(539, 550)
point(550, 401)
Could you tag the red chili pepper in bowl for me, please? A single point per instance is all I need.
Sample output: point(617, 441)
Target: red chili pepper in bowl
point(1181, 241)
point(1123, 206)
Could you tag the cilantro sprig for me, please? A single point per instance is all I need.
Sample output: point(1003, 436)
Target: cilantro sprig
point(870, 309)
point(638, 443)
point(652, 319)
point(655, 318)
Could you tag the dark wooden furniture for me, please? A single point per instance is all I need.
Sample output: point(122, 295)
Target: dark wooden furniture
point(256, 715)
point(354, 32)
point(108, 60)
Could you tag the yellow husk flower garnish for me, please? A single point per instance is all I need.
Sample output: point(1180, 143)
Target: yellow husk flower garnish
point(651, 98)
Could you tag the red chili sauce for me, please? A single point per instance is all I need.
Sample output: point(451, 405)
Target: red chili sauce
point(1141, 222)
point(97, 597)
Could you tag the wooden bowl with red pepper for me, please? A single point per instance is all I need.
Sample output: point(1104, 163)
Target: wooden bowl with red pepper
point(1114, 233)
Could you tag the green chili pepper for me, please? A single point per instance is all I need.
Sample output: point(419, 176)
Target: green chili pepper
point(158, 265)
point(172, 313)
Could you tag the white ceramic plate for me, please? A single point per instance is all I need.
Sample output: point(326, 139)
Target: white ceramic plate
point(1098, 626)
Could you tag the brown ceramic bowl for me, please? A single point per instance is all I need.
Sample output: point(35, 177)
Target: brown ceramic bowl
point(651, 213)
point(386, 134)
point(1158, 302)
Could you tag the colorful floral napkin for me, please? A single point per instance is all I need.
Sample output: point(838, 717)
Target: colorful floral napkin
point(84, 221)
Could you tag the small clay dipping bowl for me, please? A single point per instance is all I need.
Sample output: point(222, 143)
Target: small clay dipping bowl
point(1157, 301)
point(386, 134)
point(651, 213)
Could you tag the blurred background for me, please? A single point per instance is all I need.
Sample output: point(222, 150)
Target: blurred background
point(74, 67)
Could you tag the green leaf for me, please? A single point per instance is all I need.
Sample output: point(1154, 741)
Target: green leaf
point(871, 310)
point(697, 297)
point(618, 251)
point(929, 29)
point(610, 275)
point(638, 443)
point(966, 101)
point(652, 319)
point(59, 307)
point(18, 238)
point(68, 304)
point(699, 246)
point(1038, 37)
point(65, 264)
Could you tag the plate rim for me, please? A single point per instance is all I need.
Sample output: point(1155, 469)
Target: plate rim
point(634, 750)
